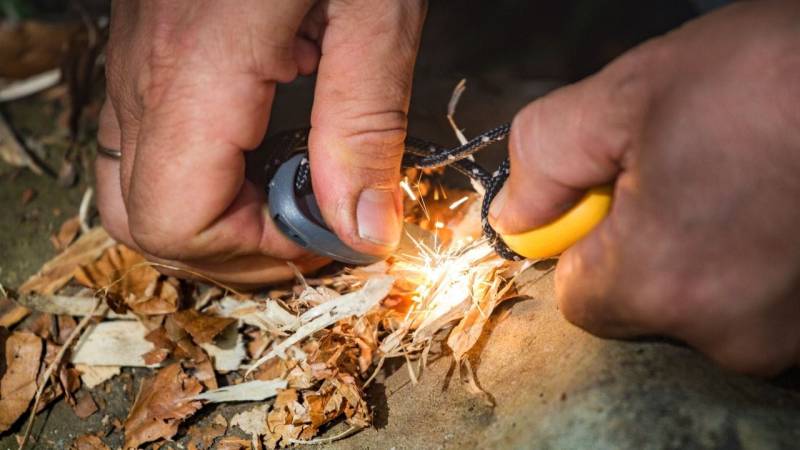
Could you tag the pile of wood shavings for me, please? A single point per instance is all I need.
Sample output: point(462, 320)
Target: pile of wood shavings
point(313, 346)
point(99, 306)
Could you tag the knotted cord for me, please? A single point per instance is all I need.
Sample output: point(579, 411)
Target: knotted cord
point(422, 154)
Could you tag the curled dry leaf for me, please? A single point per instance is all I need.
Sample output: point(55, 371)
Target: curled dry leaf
point(296, 417)
point(130, 281)
point(88, 442)
point(201, 327)
point(18, 386)
point(163, 402)
point(58, 271)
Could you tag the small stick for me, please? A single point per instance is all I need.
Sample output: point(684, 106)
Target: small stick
point(341, 435)
point(52, 367)
point(451, 110)
point(83, 210)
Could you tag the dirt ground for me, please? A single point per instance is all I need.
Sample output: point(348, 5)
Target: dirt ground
point(554, 385)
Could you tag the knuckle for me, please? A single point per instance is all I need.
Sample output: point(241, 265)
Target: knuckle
point(157, 241)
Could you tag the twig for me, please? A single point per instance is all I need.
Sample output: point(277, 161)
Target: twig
point(375, 372)
point(83, 210)
point(30, 85)
point(451, 110)
point(342, 435)
point(52, 367)
point(13, 152)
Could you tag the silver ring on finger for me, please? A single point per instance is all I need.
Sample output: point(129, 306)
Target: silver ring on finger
point(108, 152)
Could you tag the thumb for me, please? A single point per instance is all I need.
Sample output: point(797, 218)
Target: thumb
point(569, 141)
point(358, 123)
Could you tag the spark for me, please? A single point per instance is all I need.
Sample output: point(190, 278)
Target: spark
point(445, 280)
point(439, 225)
point(407, 188)
point(458, 202)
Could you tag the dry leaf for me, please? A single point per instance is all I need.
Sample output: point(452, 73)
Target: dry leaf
point(163, 402)
point(18, 385)
point(201, 327)
point(129, 280)
point(67, 233)
point(85, 406)
point(291, 420)
point(88, 442)
point(58, 271)
point(186, 349)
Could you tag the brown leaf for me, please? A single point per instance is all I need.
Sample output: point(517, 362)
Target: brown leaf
point(129, 280)
point(201, 327)
point(85, 406)
point(163, 402)
point(163, 346)
point(18, 385)
point(185, 348)
point(67, 233)
point(88, 442)
point(58, 271)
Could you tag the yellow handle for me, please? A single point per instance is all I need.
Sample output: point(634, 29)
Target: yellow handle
point(555, 237)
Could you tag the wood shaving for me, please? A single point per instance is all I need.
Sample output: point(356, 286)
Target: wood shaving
point(255, 390)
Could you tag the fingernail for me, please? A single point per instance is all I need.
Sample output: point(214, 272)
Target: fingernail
point(377, 217)
point(498, 203)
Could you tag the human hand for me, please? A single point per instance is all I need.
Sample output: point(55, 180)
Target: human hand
point(190, 87)
point(700, 131)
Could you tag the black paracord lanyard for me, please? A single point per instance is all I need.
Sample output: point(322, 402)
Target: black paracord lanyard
point(422, 154)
